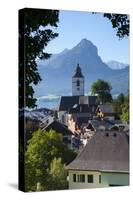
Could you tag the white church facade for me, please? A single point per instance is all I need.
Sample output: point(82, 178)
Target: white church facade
point(78, 82)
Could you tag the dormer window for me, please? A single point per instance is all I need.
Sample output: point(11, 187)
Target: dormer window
point(78, 83)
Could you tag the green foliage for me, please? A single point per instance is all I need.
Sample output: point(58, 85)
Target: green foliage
point(125, 114)
point(121, 107)
point(125, 110)
point(120, 22)
point(42, 149)
point(102, 89)
point(118, 103)
point(58, 175)
point(121, 98)
point(34, 35)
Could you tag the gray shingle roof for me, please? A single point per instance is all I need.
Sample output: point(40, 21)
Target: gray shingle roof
point(67, 102)
point(58, 127)
point(82, 120)
point(104, 153)
point(98, 123)
point(80, 108)
point(106, 108)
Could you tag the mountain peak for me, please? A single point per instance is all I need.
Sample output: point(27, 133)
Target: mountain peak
point(86, 46)
point(84, 40)
point(116, 65)
point(59, 69)
point(85, 43)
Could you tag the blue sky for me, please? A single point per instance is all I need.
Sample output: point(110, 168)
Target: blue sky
point(75, 25)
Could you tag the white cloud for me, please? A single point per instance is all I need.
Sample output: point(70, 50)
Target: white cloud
point(48, 97)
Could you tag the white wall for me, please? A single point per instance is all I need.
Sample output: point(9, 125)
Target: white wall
point(77, 185)
point(107, 178)
point(75, 91)
point(61, 115)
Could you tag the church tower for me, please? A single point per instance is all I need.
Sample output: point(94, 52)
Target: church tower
point(78, 82)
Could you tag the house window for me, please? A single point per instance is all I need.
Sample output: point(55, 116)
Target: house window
point(90, 178)
point(78, 83)
point(74, 177)
point(99, 178)
point(81, 178)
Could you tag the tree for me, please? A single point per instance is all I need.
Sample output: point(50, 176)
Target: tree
point(121, 107)
point(118, 103)
point(34, 35)
point(125, 114)
point(120, 22)
point(58, 175)
point(42, 149)
point(125, 110)
point(121, 98)
point(102, 89)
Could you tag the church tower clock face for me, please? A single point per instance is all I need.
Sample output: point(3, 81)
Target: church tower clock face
point(78, 82)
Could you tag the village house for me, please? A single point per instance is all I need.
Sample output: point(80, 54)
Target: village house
point(103, 162)
point(105, 111)
point(79, 115)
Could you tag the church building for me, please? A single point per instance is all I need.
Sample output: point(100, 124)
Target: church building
point(79, 105)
